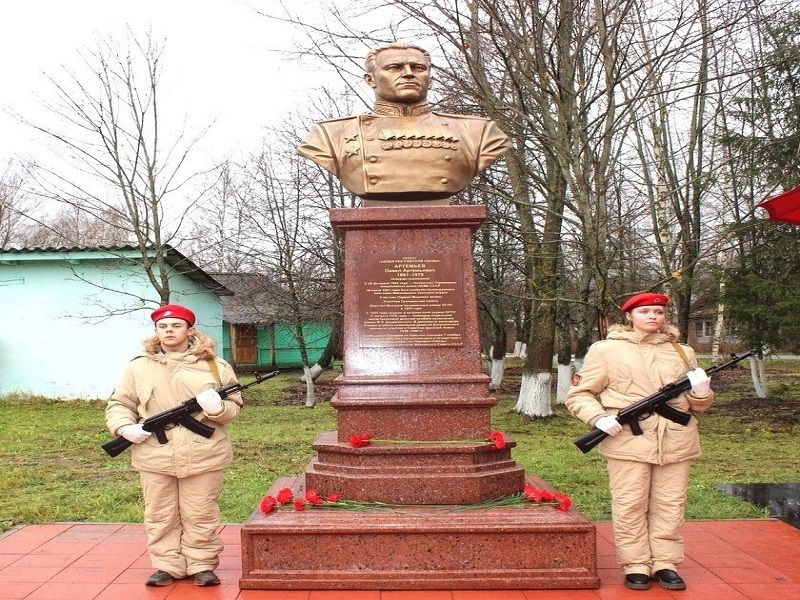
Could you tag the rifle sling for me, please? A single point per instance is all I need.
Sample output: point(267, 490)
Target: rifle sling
point(682, 353)
point(212, 364)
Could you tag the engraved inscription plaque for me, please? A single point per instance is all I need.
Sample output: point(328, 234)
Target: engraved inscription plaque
point(411, 301)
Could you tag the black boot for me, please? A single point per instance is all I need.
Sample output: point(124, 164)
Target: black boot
point(159, 578)
point(206, 578)
point(637, 581)
point(669, 579)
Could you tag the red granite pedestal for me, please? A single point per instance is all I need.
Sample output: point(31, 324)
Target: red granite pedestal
point(418, 547)
point(412, 379)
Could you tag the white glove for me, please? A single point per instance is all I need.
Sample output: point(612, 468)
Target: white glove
point(134, 433)
point(210, 401)
point(608, 424)
point(701, 383)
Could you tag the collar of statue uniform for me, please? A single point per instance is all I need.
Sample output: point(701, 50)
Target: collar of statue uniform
point(392, 109)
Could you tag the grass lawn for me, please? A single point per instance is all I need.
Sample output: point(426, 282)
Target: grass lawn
point(53, 469)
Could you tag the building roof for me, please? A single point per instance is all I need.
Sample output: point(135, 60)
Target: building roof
point(175, 259)
point(253, 298)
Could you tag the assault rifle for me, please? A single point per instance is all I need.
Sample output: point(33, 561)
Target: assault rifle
point(181, 415)
point(655, 403)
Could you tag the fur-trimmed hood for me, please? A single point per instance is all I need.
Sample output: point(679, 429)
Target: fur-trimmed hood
point(668, 333)
point(200, 345)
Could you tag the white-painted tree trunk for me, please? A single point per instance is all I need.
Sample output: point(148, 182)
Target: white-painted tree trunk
point(523, 350)
point(577, 365)
point(517, 349)
point(759, 377)
point(315, 371)
point(719, 327)
point(497, 372)
point(565, 373)
point(534, 396)
point(311, 397)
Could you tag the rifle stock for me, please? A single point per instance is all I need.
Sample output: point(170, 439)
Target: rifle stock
point(180, 415)
point(654, 403)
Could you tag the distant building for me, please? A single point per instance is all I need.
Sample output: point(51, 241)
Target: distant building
point(73, 317)
point(701, 335)
point(254, 334)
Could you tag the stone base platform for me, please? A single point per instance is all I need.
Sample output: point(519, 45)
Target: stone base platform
point(418, 547)
point(466, 473)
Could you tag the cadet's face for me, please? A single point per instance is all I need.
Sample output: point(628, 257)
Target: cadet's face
point(647, 319)
point(400, 75)
point(173, 334)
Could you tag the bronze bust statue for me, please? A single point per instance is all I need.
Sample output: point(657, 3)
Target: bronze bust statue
point(402, 152)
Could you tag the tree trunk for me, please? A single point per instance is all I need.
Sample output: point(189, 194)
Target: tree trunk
point(311, 398)
point(759, 377)
point(719, 326)
point(332, 348)
point(565, 367)
point(534, 395)
point(498, 369)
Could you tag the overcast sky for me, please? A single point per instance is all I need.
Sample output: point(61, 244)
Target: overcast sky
point(222, 61)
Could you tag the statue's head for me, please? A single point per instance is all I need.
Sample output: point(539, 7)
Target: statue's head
point(399, 73)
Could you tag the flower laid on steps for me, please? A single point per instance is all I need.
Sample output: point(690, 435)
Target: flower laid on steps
point(530, 495)
point(361, 440)
point(534, 494)
point(311, 499)
point(498, 440)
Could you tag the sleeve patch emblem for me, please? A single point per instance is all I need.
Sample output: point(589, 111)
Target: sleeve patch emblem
point(576, 379)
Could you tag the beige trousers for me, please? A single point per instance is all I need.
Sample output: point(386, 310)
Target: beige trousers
point(647, 509)
point(182, 520)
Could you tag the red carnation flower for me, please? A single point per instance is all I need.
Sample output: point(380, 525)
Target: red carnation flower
point(268, 504)
point(360, 440)
point(533, 493)
point(548, 496)
point(498, 439)
point(313, 497)
point(300, 504)
point(285, 496)
point(564, 502)
point(333, 498)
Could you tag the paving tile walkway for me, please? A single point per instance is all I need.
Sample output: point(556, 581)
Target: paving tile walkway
point(726, 560)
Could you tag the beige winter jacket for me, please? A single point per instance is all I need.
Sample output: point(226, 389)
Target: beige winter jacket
point(155, 382)
point(625, 368)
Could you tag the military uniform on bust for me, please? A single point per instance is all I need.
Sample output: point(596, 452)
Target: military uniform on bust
point(401, 152)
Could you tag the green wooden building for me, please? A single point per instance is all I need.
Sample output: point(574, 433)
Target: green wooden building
point(254, 336)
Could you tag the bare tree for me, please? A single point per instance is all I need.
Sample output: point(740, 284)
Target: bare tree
point(14, 204)
point(222, 238)
point(71, 227)
point(245, 227)
point(123, 161)
point(292, 245)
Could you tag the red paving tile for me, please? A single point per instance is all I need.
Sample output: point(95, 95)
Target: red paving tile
point(416, 595)
point(726, 560)
point(488, 595)
point(274, 595)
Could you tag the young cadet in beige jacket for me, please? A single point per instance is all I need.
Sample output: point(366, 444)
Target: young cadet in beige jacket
point(182, 479)
point(649, 473)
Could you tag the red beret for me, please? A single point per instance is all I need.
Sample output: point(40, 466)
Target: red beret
point(645, 300)
point(175, 311)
